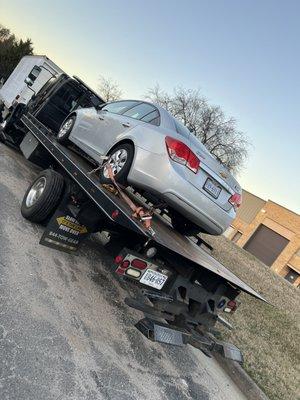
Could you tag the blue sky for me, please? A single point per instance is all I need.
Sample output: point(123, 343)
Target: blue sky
point(243, 55)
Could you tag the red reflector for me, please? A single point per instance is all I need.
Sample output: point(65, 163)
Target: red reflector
point(114, 214)
point(118, 259)
point(182, 154)
point(235, 200)
point(120, 271)
point(232, 305)
point(139, 264)
point(125, 264)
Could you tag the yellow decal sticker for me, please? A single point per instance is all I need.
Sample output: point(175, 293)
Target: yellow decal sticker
point(71, 223)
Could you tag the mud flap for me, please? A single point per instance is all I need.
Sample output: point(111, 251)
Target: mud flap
point(63, 231)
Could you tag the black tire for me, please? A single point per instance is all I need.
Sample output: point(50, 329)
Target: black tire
point(2, 133)
point(184, 226)
point(2, 139)
point(121, 176)
point(47, 201)
point(63, 136)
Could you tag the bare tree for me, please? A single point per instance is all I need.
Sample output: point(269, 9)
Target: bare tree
point(11, 51)
point(108, 89)
point(218, 133)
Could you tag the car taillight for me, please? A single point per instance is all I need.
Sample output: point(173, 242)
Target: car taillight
point(193, 162)
point(231, 306)
point(182, 154)
point(235, 200)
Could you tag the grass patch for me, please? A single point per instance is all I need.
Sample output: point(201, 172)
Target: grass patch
point(269, 336)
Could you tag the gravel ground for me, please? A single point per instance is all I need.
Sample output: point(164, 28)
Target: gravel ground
point(65, 332)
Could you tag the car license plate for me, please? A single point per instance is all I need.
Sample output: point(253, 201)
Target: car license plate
point(154, 279)
point(211, 188)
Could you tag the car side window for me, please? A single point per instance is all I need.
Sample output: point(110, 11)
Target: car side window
point(118, 107)
point(144, 112)
point(152, 118)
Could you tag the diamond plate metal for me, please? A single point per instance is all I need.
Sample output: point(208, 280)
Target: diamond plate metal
point(167, 335)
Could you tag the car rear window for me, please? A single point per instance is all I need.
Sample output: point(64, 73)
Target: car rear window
point(152, 118)
point(118, 107)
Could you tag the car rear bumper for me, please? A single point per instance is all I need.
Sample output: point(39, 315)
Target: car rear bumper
point(157, 174)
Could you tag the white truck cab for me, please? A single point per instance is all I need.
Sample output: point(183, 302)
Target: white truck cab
point(35, 70)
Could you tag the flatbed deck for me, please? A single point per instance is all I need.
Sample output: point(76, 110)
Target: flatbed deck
point(79, 169)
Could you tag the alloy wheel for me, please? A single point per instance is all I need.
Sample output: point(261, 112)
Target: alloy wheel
point(64, 129)
point(117, 161)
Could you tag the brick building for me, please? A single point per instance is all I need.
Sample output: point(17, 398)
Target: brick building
point(271, 233)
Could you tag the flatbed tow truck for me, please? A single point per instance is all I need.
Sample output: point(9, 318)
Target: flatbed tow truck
point(182, 289)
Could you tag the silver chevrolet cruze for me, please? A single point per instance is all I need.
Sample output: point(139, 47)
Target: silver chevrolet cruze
point(159, 156)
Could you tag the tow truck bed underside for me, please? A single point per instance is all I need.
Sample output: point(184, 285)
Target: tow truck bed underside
point(165, 235)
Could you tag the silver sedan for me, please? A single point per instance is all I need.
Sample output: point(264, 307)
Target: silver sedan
point(156, 154)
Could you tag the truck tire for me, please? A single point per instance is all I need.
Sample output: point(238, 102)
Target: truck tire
point(122, 157)
point(2, 139)
point(65, 130)
point(42, 196)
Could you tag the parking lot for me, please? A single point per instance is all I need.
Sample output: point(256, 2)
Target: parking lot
point(65, 332)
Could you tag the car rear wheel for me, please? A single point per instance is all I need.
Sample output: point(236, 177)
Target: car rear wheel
point(65, 130)
point(184, 226)
point(43, 196)
point(120, 161)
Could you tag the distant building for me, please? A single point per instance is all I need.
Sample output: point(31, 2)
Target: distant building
point(271, 233)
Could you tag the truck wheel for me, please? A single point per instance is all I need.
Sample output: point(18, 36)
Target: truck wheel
point(120, 161)
point(42, 196)
point(65, 130)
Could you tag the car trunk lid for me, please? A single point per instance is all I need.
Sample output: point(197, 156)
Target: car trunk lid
point(212, 179)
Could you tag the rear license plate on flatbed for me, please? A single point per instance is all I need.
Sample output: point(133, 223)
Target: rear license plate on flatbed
point(154, 279)
point(211, 188)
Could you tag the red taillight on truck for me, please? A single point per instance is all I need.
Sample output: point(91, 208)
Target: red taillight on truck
point(139, 264)
point(231, 306)
point(182, 154)
point(119, 259)
point(235, 200)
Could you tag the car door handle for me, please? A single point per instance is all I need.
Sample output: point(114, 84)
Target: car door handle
point(126, 124)
point(101, 118)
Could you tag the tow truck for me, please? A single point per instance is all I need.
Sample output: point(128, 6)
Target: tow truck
point(183, 291)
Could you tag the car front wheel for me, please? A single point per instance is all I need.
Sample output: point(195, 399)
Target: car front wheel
point(65, 130)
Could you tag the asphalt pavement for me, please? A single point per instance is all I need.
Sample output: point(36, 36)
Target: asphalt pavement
point(65, 332)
